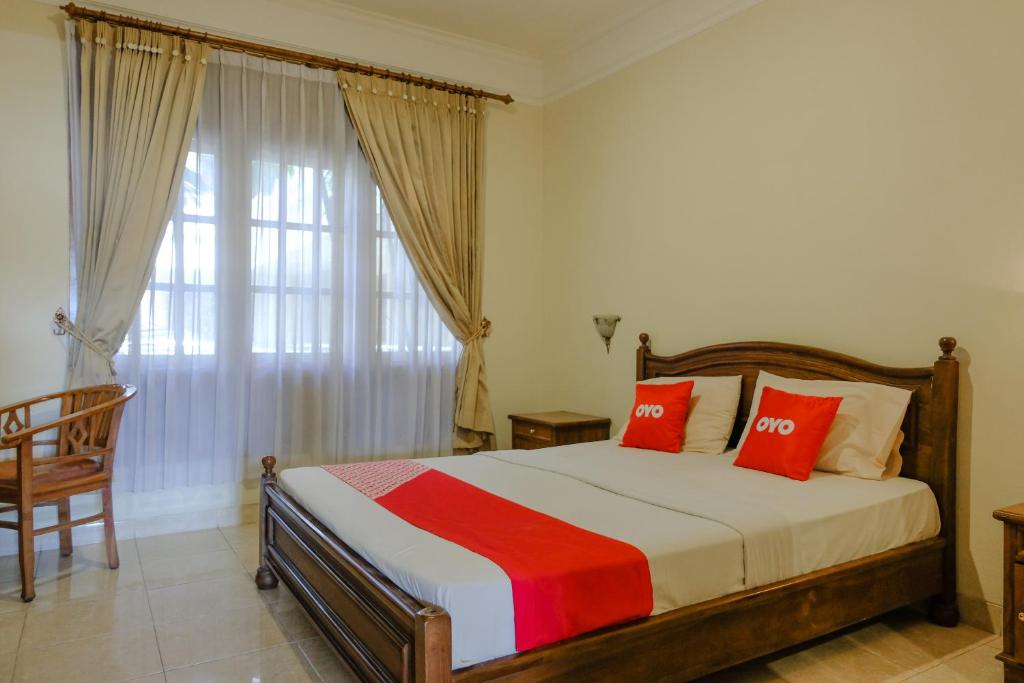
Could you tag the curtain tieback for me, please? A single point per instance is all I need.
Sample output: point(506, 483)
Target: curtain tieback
point(61, 320)
point(483, 331)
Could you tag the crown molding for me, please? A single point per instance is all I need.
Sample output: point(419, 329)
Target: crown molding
point(599, 55)
point(338, 30)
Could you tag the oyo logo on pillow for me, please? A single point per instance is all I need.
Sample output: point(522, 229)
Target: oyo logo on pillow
point(648, 410)
point(775, 425)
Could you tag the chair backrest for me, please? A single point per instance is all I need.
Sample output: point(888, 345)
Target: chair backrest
point(98, 411)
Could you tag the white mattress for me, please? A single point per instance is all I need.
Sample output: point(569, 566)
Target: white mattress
point(707, 528)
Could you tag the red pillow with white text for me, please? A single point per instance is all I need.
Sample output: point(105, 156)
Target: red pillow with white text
point(787, 433)
point(658, 420)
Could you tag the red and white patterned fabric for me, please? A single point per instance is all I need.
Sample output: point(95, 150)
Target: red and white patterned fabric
point(375, 479)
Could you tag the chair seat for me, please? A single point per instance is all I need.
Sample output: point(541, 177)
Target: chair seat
point(51, 477)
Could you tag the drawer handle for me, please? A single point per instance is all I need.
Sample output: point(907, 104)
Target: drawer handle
point(532, 430)
point(1020, 616)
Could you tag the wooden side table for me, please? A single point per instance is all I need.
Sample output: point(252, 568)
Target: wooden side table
point(556, 428)
point(1012, 655)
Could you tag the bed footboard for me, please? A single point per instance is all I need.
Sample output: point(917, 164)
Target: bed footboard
point(382, 632)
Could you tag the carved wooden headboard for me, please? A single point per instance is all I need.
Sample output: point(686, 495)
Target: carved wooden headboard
point(929, 450)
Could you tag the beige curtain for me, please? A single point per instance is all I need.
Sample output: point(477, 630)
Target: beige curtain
point(133, 111)
point(426, 150)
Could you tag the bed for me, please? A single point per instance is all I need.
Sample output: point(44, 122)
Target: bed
point(848, 550)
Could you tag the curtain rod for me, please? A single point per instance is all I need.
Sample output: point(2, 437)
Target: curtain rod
point(282, 54)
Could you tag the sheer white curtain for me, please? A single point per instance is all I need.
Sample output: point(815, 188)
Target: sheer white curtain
point(283, 316)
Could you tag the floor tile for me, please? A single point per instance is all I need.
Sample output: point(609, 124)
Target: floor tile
point(839, 659)
point(104, 659)
point(976, 666)
point(911, 641)
point(6, 667)
point(229, 633)
point(326, 661)
point(241, 535)
point(53, 622)
point(86, 573)
point(197, 599)
point(281, 664)
point(11, 628)
point(10, 584)
point(171, 571)
point(181, 545)
point(249, 557)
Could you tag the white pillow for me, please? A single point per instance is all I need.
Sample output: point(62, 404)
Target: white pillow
point(861, 439)
point(895, 462)
point(712, 413)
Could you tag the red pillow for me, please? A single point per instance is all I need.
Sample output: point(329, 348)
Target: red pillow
point(658, 420)
point(787, 433)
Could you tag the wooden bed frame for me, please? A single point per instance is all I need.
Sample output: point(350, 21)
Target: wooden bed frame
point(386, 634)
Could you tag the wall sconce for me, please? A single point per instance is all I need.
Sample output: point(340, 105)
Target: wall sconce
point(605, 326)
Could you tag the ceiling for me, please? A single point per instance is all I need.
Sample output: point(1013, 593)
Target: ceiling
point(538, 28)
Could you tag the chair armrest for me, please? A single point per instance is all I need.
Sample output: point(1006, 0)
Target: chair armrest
point(31, 402)
point(15, 438)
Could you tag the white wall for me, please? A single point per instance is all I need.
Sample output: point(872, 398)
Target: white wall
point(841, 174)
point(34, 199)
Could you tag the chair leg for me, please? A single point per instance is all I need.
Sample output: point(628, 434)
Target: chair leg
point(27, 554)
point(63, 517)
point(108, 529)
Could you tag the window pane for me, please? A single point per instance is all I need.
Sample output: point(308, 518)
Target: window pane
point(326, 256)
point(386, 263)
point(327, 193)
point(389, 324)
point(299, 323)
point(325, 322)
point(298, 258)
point(200, 323)
point(300, 194)
point(198, 185)
point(199, 253)
point(164, 270)
point(156, 336)
point(264, 256)
point(264, 322)
point(266, 190)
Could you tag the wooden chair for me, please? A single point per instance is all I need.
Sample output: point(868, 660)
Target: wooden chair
point(77, 458)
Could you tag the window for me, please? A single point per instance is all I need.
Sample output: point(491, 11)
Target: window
point(291, 295)
point(291, 269)
point(178, 312)
point(283, 315)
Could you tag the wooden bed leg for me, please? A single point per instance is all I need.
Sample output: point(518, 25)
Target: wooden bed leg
point(265, 579)
point(943, 612)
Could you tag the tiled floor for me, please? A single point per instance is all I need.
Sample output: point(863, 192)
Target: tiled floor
point(183, 609)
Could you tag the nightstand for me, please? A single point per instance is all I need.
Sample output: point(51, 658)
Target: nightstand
point(557, 428)
point(1012, 655)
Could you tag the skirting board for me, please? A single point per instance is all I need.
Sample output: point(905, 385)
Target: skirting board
point(981, 614)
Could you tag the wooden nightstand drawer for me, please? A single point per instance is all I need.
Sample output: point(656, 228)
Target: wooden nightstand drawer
point(533, 431)
point(558, 428)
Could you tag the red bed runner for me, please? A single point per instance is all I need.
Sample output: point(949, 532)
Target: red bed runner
point(565, 580)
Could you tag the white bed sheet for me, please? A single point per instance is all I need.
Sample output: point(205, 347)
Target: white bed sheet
point(707, 528)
